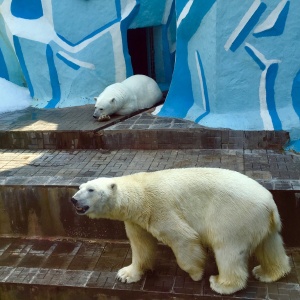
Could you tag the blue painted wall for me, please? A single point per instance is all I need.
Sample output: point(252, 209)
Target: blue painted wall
point(241, 64)
point(237, 62)
point(67, 52)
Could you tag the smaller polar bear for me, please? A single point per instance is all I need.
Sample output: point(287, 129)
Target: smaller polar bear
point(189, 210)
point(123, 98)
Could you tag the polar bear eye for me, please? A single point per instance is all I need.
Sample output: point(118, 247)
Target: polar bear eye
point(90, 190)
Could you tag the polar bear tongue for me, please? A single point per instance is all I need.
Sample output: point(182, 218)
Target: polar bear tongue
point(82, 210)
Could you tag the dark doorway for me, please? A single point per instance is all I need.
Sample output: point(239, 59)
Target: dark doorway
point(140, 47)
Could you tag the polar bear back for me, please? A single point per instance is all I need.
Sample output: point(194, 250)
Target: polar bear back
point(145, 89)
point(202, 195)
point(214, 183)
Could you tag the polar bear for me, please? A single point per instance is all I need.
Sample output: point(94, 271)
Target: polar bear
point(189, 210)
point(123, 98)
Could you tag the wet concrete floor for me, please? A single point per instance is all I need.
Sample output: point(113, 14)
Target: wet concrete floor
point(93, 265)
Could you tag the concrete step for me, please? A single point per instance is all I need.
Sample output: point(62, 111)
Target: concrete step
point(35, 186)
point(74, 128)
point(48, 252)
point(80, 269)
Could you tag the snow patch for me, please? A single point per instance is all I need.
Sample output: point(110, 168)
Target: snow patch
point(13, 97)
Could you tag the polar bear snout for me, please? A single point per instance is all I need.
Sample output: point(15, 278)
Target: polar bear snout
point(97, 113)
point(100, 116)
point(80, 209)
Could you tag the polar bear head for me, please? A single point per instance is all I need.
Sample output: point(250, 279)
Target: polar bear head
point(109, 101)
point(95, 198)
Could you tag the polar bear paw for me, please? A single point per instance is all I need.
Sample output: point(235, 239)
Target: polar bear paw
point(260, 275)
point(104, 118)
point(265, 276)
point(197, 276)
point(129, 274)
point(226, 288)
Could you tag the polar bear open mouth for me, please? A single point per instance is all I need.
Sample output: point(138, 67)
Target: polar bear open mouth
point(82, 210)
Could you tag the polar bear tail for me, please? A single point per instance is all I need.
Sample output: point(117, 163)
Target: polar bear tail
point(274, 221)
point(270, 253)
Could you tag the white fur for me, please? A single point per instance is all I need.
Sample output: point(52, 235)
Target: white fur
point(190, 209)
point(135, 93)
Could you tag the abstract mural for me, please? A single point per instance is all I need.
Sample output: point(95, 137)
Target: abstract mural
point(237, 62)
point(67, 52)
point(240, 64)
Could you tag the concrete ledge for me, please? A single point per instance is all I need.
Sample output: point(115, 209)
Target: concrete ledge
point(50, 140)
point(196, 138)
point(144, 139)
point(74, 128)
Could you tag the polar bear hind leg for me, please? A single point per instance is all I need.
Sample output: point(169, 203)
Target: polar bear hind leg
point(232, 264)
point(274, 263)
point(143, 247)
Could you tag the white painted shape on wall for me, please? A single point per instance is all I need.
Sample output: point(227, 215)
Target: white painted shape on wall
point(76, 61)
point(120, 63)
point(82, 45)
point(128, 8)
point(248, 15)
point(261, 57)
point(272, 18)
point(167, 11)
point(47, 10)
point(264, 112)
point(184, 12)
point(199, 73)
point(207, 50)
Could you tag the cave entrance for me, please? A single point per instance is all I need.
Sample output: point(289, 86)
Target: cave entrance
point(141, 49)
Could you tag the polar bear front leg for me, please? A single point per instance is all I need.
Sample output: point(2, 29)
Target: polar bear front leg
point(190, 257)
point(143, 246)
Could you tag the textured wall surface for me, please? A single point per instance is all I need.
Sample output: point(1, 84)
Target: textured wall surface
point(68, 51)
point(241, 65)
point(237, 62)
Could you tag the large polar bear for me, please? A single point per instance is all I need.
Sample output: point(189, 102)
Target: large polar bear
point(189, 210)
point(123, 98)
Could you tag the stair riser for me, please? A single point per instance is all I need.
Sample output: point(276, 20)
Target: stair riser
point(46, 211)
point(197, 138)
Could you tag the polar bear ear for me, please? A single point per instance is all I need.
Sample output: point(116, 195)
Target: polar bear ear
point(95, 98)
